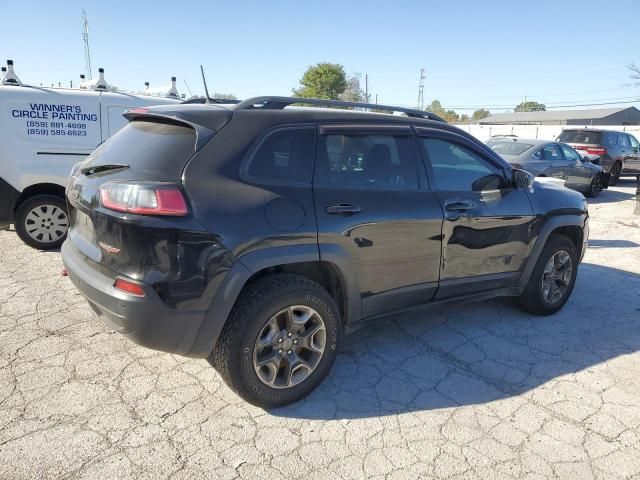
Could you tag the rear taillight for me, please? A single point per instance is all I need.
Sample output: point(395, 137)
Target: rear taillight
point(127, 286)
point(143, 199)
point(596, 150)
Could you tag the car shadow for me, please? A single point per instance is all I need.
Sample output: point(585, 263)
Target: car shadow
point(476, 353)
point(609, 196)
point(612, 244)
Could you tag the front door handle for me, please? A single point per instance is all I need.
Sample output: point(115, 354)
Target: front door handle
point(457, 209)
point(342, 209)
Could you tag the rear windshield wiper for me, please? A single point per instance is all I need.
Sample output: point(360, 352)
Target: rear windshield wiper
point(102, 168)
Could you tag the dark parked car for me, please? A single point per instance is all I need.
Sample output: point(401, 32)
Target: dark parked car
point(619, 152)
point(543, 158)
point(257, 235)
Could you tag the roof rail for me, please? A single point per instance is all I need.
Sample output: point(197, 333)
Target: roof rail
point(278, 103)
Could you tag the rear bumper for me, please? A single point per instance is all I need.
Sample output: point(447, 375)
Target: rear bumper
point(8, 198)
point(146, 320)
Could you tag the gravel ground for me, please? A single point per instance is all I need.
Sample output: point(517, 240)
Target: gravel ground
point(475, 391)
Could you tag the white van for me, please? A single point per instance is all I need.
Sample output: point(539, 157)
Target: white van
point(43, 133)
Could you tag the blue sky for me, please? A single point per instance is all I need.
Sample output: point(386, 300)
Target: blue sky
point(475, 52)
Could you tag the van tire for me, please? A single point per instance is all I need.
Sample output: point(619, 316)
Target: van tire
point(51, 226)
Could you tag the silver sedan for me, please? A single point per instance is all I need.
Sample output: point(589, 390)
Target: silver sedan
point(544, 158)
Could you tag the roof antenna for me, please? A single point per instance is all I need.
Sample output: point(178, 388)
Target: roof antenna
point(204, 80)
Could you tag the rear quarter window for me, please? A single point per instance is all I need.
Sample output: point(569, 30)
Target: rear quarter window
point(284, 156)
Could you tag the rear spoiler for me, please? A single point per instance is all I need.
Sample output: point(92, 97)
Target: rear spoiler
point(204, 133)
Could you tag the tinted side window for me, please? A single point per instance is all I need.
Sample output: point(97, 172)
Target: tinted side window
point(383, 162)
point(569, 153)
point(623, 140)
point(457, 168)
point(550, 153)
point(610, 139)
point(284, 156)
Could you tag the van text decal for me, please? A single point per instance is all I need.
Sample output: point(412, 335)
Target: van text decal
point(55, 120)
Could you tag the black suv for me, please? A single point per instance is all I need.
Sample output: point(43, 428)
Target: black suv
point(619, 152)
point(256, 235)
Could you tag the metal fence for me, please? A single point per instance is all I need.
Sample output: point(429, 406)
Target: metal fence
point(545, 132)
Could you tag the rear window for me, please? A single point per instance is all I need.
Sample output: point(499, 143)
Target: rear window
point(580, 136)
point(151, 145)
point(509, 148)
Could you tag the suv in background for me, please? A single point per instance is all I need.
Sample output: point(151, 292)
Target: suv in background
point(619, 152)
point(257, 235)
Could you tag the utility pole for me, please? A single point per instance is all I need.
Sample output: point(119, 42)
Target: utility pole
point(421, 90)
point(85, 38)
point(366, 87)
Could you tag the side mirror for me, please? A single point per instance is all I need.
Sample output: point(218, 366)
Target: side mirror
point(522, 179)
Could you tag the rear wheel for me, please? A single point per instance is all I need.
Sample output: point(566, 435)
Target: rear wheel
point(553, 277)
point(280, 340)
point(614, 173)
point(42, 221)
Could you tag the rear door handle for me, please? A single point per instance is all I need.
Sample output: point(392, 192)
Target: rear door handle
point(342, 209)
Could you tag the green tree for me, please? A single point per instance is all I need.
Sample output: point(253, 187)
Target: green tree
point(324, 80)
point(530, 107)
point(480, 114)
point(436, 108)
point(464, 118)
point(451, 116)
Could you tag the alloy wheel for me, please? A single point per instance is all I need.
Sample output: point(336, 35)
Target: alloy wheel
point(557, 277)
point(289, 346)
point(46, 223)
point(596, 186)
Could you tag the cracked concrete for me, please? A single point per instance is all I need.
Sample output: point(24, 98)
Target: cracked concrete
point(475, 391)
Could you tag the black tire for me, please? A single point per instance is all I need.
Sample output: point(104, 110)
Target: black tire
point(233, 356)
point(56, 209)
point(614, 174)
point(533, 299)
point(595, 187)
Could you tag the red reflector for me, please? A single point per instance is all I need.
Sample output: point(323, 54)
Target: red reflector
point(64, 272)
point(596, 150)
point(129, 287)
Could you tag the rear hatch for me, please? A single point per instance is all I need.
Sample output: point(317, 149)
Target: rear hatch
point(128, 210)
point(586, 141)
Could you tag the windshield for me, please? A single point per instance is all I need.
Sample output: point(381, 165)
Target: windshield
point(509, 148)
point(580, 136)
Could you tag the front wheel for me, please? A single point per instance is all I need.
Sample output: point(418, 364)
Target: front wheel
point(42, 221)
point(280, 340)
point(553, 277)
point(595, 187)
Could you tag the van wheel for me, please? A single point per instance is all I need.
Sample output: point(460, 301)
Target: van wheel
point(614, 174)
point(553, 277)
point(280, 340)
point(42, 221)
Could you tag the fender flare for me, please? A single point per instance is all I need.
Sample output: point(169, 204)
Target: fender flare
point(545, 232)
point(255, 261)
